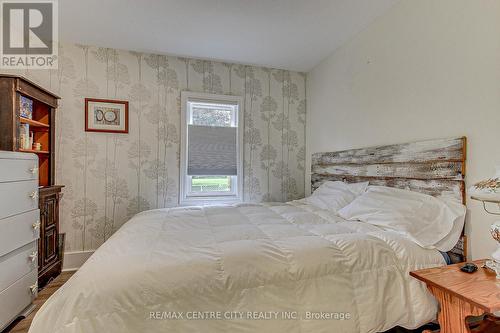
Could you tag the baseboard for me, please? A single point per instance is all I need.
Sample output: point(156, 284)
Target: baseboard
point(74, 260)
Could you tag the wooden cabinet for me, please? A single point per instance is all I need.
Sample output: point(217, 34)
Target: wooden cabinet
point(49, 263)
point(42, 125)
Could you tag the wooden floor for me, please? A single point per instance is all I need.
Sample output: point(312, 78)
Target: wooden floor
point(22, 326)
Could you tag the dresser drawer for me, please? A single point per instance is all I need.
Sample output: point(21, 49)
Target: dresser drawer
point(13, 170)
point(19, 230)
point(17, 297)
point(18, 197)
point(17, 264)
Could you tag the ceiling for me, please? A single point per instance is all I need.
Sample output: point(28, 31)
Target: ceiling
point(288, 34)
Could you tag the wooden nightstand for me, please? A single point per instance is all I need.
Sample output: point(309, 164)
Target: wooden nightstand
point(461, 295)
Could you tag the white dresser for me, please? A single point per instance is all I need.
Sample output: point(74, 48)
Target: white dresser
point(19, 233)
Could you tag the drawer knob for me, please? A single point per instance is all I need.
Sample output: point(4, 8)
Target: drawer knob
point(33, 256)
point(34, 289)
point(34, 195)
point(36, 225)
point(34, 170)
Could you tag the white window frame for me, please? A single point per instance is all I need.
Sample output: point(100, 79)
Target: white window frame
point(185, 196)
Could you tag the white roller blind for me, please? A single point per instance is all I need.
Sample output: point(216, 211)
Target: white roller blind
point(212, 151)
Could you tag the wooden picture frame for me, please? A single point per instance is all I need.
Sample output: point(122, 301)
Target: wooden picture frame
point(106, 115)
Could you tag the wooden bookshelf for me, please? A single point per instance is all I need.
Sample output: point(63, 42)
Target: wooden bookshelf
point(40, 127)
point(41, 124)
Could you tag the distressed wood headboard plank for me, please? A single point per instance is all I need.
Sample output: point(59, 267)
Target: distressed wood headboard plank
point(452, 150)
point(430, 170)
point(433, 167)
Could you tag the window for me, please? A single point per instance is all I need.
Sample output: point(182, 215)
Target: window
point(211, 158)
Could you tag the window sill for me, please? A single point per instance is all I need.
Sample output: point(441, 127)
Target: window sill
point(204, 201)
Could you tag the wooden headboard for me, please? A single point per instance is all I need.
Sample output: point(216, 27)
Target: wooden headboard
point(433, 167)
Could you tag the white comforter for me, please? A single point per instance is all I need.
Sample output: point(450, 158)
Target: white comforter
point(247, 268)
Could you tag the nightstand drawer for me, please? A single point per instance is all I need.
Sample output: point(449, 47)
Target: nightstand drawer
point(17, 297)
point(13, 170)
point(17, 264)
point(19, 230)
point(18, 197)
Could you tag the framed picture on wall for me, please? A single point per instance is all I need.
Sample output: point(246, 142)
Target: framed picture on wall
point(106, 115)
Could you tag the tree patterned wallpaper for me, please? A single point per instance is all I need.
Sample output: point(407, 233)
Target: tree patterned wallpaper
point(111, 177)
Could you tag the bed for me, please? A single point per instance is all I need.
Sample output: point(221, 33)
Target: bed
point(276, 267)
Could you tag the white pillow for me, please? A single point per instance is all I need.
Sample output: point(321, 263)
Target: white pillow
point(447, 243)
point(335, 195)
point(424, 219)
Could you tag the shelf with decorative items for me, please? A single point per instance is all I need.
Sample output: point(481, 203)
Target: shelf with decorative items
point(488, 193)
point(35, 132)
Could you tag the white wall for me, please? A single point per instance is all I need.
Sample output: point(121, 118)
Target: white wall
point(426, 69)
